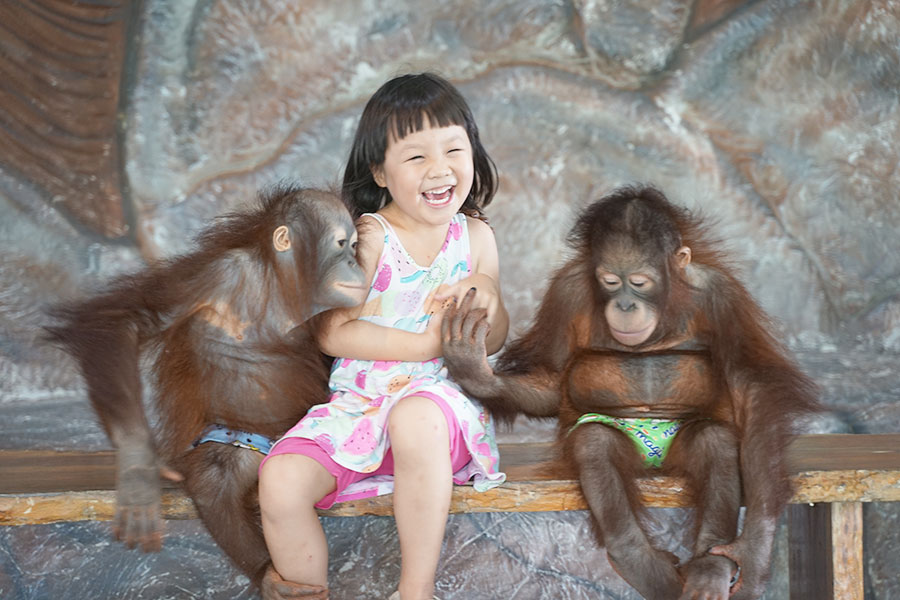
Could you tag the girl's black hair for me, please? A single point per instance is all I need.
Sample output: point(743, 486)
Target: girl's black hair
point(399, 108)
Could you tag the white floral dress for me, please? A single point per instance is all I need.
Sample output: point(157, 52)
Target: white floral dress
point(352, 426)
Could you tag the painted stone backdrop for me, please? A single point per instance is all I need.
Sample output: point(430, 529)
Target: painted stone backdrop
point(125, 126)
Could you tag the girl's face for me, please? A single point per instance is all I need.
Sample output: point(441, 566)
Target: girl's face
point(428, 173)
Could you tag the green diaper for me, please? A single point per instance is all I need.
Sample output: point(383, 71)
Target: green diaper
point(653, 437)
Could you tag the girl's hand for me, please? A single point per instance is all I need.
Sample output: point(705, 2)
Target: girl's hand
point(487, 293)
point(438, 308)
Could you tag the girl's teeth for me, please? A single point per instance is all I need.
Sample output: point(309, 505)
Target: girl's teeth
point(438, 195)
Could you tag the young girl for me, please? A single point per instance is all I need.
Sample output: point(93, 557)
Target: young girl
point(395, 422)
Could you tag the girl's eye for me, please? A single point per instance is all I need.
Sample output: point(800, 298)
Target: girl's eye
point(416, 157)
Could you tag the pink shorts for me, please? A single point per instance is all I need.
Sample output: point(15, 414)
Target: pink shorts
point(344, 477)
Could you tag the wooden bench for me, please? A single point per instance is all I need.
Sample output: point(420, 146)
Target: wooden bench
point(834, 474)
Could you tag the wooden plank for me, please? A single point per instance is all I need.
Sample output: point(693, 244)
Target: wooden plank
point(514, 496)
point(527, 461)
point(658, 492)
point(37, 471)
point(847, 543)
point(39, 509)
point(844, 451)
point(809, 552)
point(518, 496)
point(843, 486)
point(44, 486)
point(47, 471)
point(816, 452)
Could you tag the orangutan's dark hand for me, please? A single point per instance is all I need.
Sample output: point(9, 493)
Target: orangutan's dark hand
point(753, 561)
point(463, 333)
point(138, 520)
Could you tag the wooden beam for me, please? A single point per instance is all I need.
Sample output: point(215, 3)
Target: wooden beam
point(809, 552)
point(847, 556)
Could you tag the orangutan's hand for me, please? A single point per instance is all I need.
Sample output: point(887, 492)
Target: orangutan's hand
point(138, 520)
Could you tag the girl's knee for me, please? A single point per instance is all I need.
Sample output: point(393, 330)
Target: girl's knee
point(289, 481)
point(272, 485)
point(416, 421)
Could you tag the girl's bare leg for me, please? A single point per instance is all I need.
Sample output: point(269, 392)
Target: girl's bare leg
point(422, 484)
point(289, 487)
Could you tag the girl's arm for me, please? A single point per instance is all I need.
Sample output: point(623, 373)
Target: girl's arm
point(362, 340)
point(343, 334)
point(485, 278)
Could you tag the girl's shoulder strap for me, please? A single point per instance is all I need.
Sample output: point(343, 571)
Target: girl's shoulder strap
point(384, 224)
point(461, 220)
point(375, 244)
point(458, 244)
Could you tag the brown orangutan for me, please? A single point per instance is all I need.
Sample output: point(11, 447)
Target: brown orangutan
point(643, 334)
point(234, 361)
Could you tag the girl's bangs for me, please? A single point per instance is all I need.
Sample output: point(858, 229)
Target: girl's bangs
point(441, 112)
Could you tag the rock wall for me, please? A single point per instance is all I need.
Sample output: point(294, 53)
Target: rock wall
point(126, 126)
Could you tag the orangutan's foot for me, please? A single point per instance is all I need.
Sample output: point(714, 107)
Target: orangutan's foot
point(707, 577)
point(652, 573)
point(274, 587)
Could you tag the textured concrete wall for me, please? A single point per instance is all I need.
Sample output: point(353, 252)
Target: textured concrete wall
point(124, 127)
point(776, 119)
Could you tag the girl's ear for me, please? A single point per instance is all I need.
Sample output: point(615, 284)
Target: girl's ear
point(378, 175)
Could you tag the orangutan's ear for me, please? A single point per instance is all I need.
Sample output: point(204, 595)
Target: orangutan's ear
point(281, 239)
point(683, 256)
